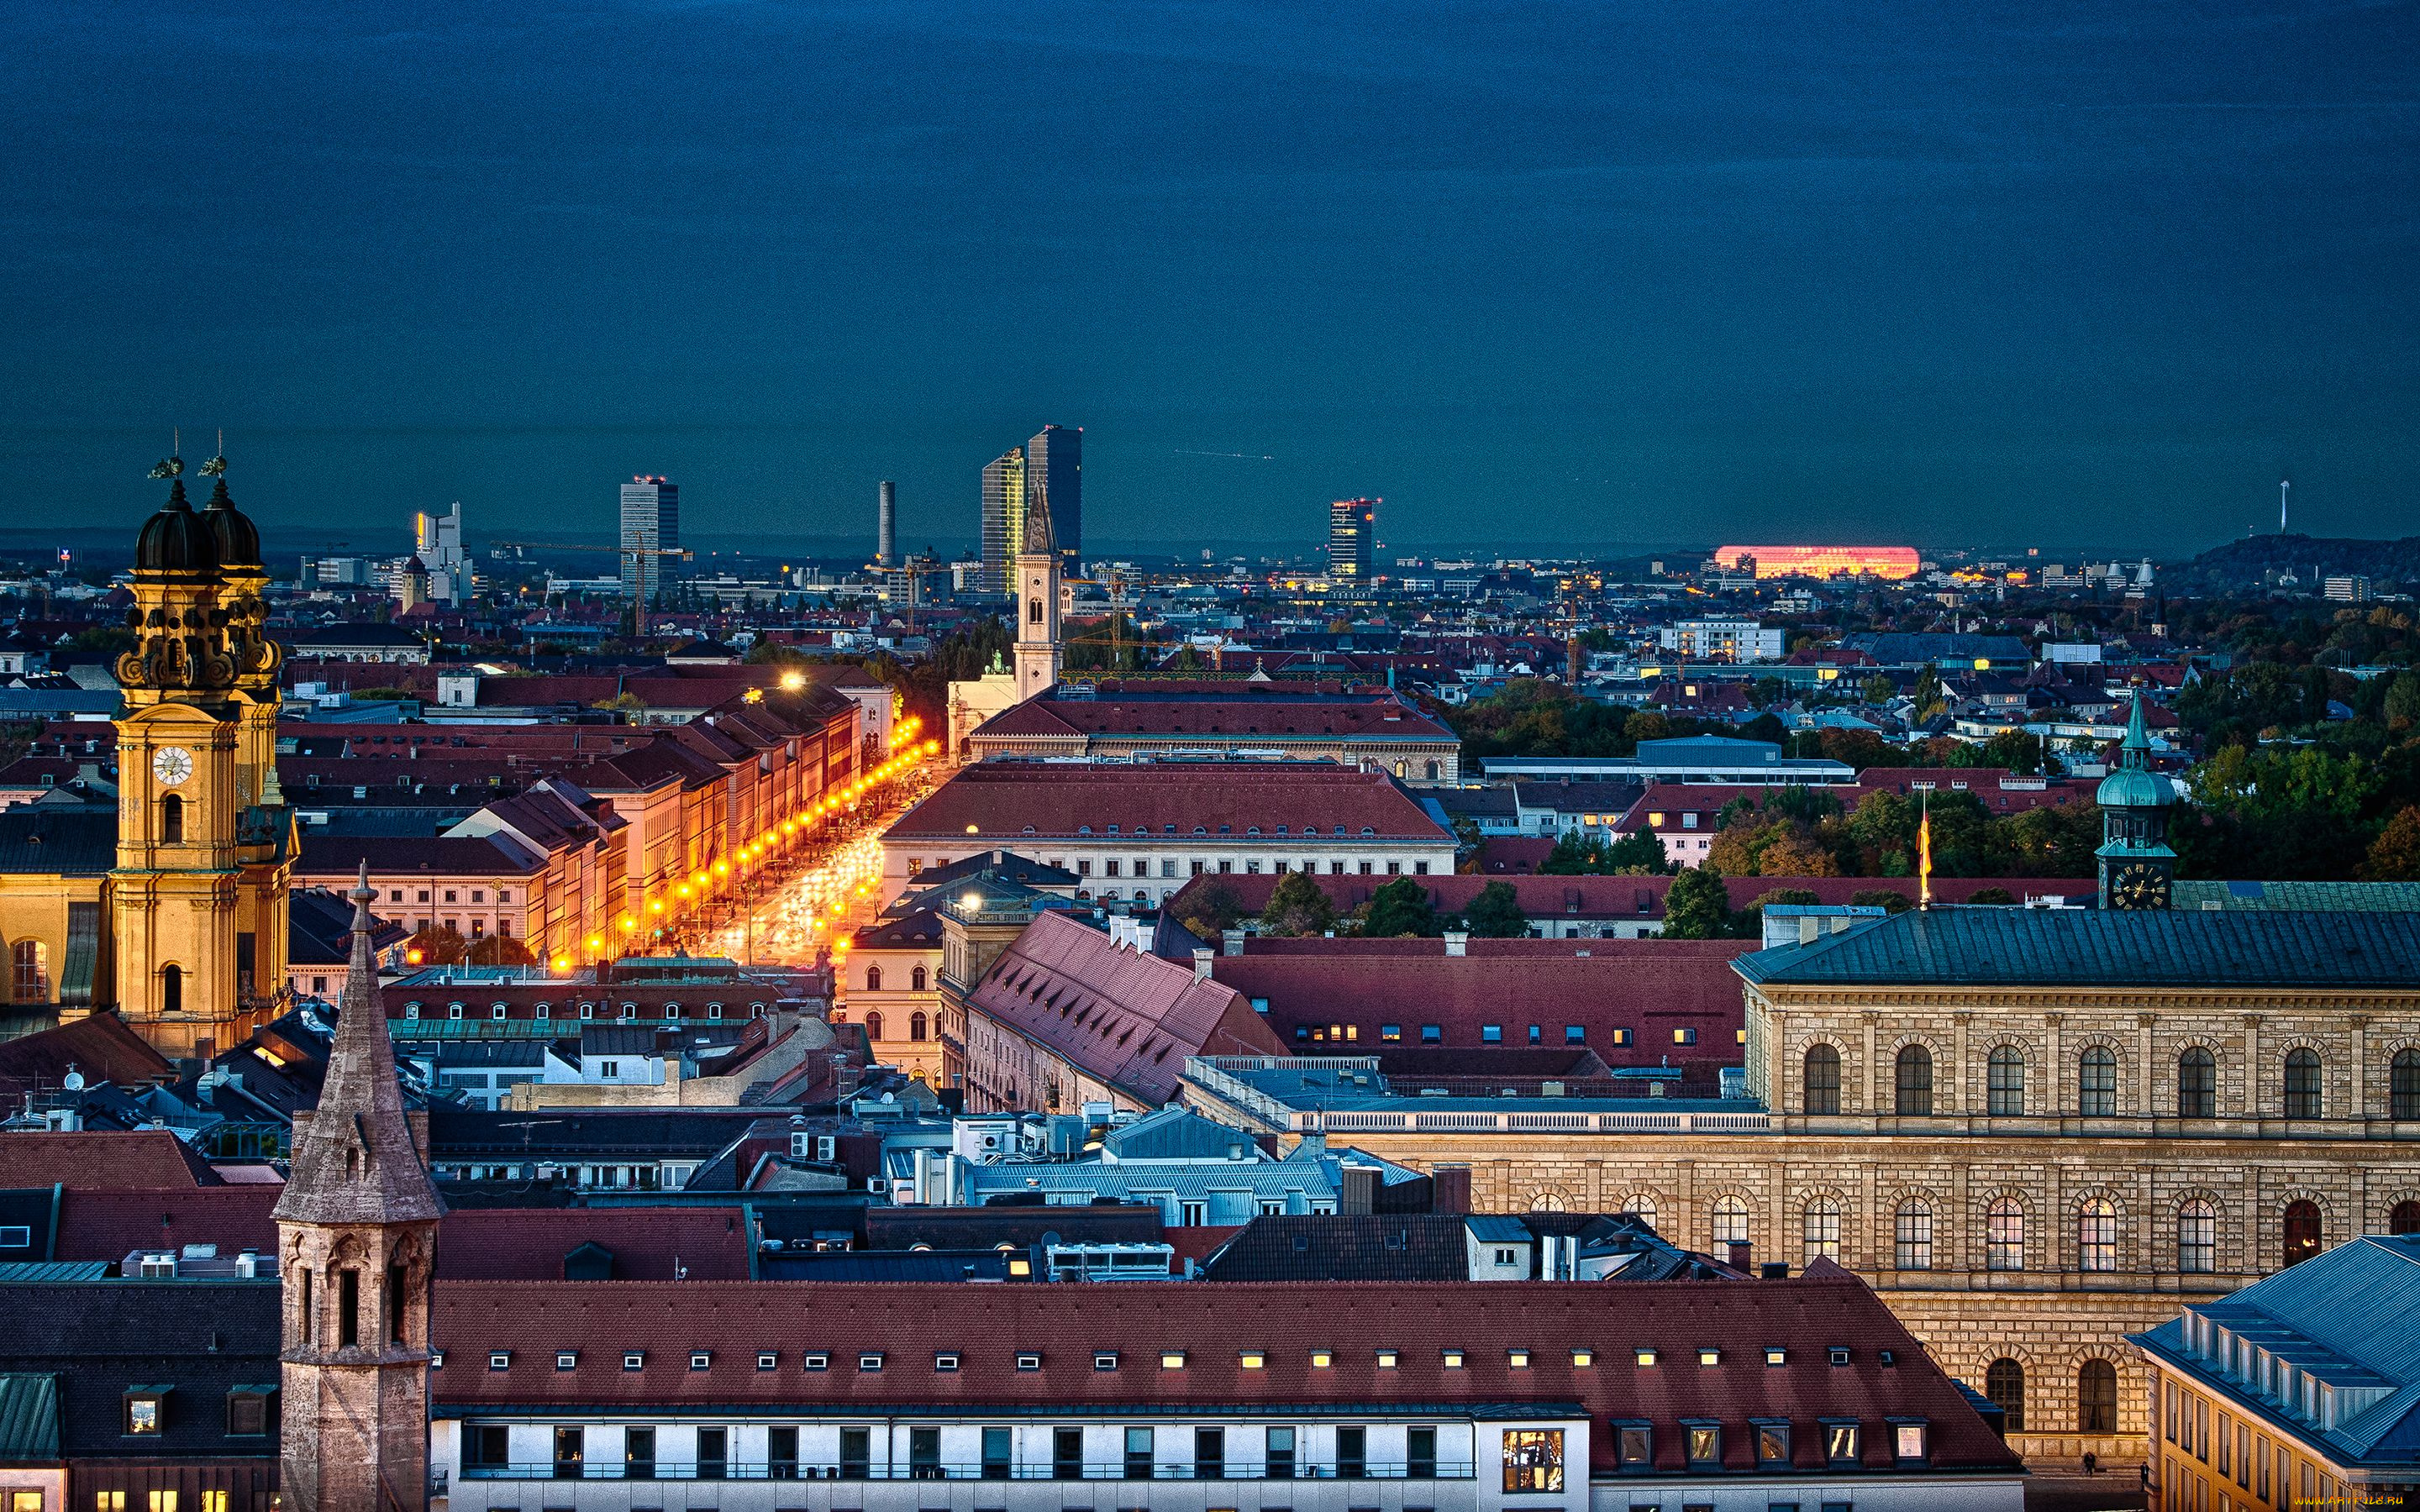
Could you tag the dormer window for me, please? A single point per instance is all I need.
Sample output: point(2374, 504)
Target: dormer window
point(146, 1411)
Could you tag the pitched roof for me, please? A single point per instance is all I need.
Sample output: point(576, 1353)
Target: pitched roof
point(151, 1158)
point(41, 841)
point(1128, 1018)
point(1278, 713)
point(730, 1322)
point(1387, 1246)
point(110, 1225)
point(1004, 798)
point(530, 1244)
point(2080, 947)
point(202, 1338)
point(1545, 897)
point(98, 1047)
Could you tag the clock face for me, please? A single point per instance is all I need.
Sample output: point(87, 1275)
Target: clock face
point(172, 765)
point(2139, 886)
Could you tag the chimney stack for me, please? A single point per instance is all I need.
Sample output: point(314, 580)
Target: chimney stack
point(886, 525)
point(1202, 957)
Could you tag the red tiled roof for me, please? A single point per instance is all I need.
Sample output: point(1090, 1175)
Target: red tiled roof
point(1514, 855)
point(153, 1158)
point(529, 1243)
point(1648, 987)
point(1125, 1017)
point(1272, 716)
point(907, 1324)
point(1547, 898)
point(112, 1224)
point(1007, 798)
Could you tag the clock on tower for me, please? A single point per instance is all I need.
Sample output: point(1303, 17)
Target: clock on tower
point(2136, 865)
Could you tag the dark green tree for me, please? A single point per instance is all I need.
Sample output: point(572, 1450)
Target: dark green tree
point(1637, 854)
point(1496, 914)
point(1401, 907)
point(1297, 907)
point(1697, 907)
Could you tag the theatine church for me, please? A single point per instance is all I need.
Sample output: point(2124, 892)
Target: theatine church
point(173, 913)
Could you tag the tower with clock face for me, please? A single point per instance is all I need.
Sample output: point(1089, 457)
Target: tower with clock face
point(2136, 865)
point(197, 896)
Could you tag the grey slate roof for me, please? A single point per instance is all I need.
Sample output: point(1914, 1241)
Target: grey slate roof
point(2296, 897)
point(2074, 946)
point(44, 841)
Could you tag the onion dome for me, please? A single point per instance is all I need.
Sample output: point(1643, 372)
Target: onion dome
point(239, 541)
point(176, 539)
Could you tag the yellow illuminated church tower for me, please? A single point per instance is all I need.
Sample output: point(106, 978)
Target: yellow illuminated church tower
point(197, 898)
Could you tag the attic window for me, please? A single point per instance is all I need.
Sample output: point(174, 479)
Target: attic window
point(1105, 1359)
point(1840, 1354)
point(1583, 1357)
point(1028, 1361)
point(870, 1361)
point(566, 1359)
point(1171, 1359)
point(767, 1360)
point(1366, 831)
point(1708, 1355)
point(1775, 1355)
point(500, 1359)
point(700, 1359)
point(1645, 1355)
point(1452, 1359)
point(1518, 1358)
point(1322, 1359)
point(634, 1359)
point(817, 1360)
point(1386, 1359)
point(945, 1360)
point(1254, 1358)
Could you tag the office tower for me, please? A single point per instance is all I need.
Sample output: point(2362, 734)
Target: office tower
point(1003, 516)
point(1352, 540)
point(1054, 468)
point(650, 522)
point(437, 539)
point(886, 525)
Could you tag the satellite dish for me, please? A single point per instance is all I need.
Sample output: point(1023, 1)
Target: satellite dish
point(73, 1081)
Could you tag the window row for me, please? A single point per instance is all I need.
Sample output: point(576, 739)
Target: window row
point(2096, 1395)
point(1533, 1034)
point(630, 1012)
point(2302, 1087)
point(2097, 1233)
point(916, 979)
point(946, 1362)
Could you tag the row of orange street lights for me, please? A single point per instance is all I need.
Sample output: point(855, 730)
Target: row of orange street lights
point(906, 753)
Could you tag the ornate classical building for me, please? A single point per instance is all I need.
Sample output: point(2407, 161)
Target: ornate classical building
point(356, 1246)
point(184, 930)
point(2034, 1131)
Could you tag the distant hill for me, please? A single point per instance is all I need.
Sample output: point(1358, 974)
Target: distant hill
point(2242, 566)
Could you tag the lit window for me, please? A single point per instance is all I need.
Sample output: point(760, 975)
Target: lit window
point(1386, 1359)
point(1518, 1358)
point(143, 1412)
point(1452, 1359)
point(1322, 1359)
point(1583, 1358)
point(1645, 1356)
point(1250, 1358)
point(1907, 1441)
point(1171, 1359)
point(1710, 1356)
point(1775, 1355)
point(1705, 1441)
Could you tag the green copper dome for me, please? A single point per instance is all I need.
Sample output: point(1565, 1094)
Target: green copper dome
point(2133, 785)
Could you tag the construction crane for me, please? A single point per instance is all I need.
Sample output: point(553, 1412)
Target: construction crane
point(639, 555)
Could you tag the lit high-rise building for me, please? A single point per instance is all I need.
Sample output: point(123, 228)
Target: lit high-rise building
point(1054, 468)
point(650, 521)
point(1352, 540)
point(437, 540)
point(1003, 516)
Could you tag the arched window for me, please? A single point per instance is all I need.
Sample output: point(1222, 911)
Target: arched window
point(2301, 1231)
point(1823, 1079)
point(2096, 1398)
point(2004, 1236)
point(2404, 1218)
point(874, 978)
point(1642, 1206)
point(2197, 1238)
point(1915, 1082)
point(2096, 1235)
point(1730, 1221)
point(1433, 771)
point(172, 988)
point(2006, 1089)
point(916, 982)
point(1912, 1237)
point(29, 978)
point(1819, 1229)
point(2196, 1084)
point(916, 1026)
point(2097, 1083)
point(1033, 611)
point(2301, 1083)
point(2004, 1383)
point(172, 819)
point(874, 1026)
point(2403, 1085)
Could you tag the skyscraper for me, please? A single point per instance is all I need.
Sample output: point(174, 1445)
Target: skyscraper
point(437, 540)
point(886, 525)
point(650, 521)
point(1352, 540)
point(1003, 516)
point(1054, 468)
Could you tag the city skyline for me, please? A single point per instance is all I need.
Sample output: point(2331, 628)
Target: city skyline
point(1902, 274)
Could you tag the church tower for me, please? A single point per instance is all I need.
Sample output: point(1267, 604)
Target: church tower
point(356, 1237)
point(2136, 865)
point(265, 831)
point(1037, 601)
point(174, 888)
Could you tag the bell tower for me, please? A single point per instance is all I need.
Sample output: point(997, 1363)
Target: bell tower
point(265, 836)
point(2136, 865)
point(173, 891)
point(356, 1238)
point(1036, 574)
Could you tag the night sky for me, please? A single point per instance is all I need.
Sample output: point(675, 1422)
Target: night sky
point(2069, 275)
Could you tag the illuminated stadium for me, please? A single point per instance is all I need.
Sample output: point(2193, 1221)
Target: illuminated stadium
point(1824, 561)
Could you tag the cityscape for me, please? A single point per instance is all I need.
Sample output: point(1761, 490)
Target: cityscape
point(584, 970)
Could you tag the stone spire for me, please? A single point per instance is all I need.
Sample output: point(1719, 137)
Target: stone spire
point(356, 1162)
point(1039, 542)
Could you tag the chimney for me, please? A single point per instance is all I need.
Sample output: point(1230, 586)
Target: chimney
point(1457, 942)
point(1230, 942)
point(1739, 1256)
point(1202, 957)
point(1449, 1189)
point(1775, 1270)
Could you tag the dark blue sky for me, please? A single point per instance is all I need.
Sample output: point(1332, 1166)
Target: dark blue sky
point(2088, 274)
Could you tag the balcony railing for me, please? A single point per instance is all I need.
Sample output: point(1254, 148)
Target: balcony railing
point(992, 1470)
